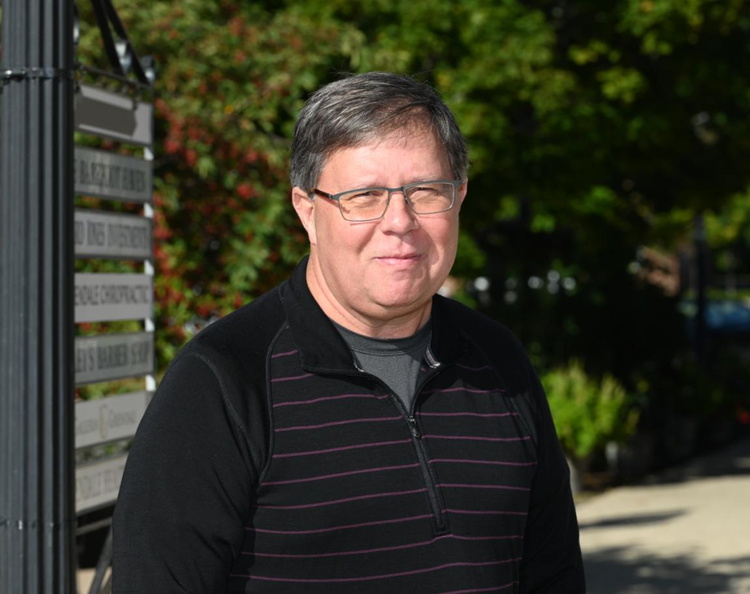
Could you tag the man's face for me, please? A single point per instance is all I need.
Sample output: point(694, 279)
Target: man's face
point(378, 277)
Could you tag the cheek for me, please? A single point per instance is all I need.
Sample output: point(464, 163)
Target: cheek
point(444, 243)
point(322, 228)
point(336, 240)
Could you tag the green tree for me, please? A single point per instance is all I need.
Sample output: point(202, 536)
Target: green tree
point(592, 129)
point(231, 77)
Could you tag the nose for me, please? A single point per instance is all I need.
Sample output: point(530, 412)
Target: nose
point(399, 217)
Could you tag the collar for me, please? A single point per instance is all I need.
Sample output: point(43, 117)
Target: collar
point(322, 348)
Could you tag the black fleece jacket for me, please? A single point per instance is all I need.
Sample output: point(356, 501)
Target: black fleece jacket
point(267, 462)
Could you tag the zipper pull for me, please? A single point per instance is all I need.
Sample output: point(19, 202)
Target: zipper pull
point(413, 426)
point(431, 359)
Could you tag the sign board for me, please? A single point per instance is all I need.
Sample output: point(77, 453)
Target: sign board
point(104, 297)
point(113, 356)
point(111, 115)
point(106, 235)
point(97, 484)
point(109, 419)
point(109, 175)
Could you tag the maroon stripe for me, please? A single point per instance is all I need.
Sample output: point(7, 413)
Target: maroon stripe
point(493, 462)
point(375, 550)
point(343, 448)
point(323, 477)
point(346, 553)
point(464, 486)
point(479, 512)
point(328, 398)
point(346, 500)
point(474, 438)
point(338, 423)
point(277, 355)
point(335, 528)
point(376, 577)
point(343, 553)
point(470, 414)
point(507, 537)
point(465, 390)
point(291, 379)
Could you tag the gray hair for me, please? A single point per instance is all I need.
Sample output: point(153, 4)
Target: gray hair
point(364, 107)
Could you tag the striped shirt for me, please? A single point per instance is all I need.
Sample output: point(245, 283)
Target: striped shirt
point(308, 475)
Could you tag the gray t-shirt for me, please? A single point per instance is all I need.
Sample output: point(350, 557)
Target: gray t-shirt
point(396, 362)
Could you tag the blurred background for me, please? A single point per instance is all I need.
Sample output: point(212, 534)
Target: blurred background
point(609, 196)
point(607, 218)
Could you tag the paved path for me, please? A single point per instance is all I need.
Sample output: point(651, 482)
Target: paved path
point(84, 577)
point(686, 531)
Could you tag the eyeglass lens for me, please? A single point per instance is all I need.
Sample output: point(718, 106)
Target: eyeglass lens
point(371, 203)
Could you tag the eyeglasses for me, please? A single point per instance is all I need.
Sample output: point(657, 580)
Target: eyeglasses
point(370, 204)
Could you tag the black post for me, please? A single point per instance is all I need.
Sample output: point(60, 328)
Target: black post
point(36, 298)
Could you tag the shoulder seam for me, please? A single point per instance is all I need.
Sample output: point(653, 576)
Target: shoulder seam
point(227, 401)
point(269, 402)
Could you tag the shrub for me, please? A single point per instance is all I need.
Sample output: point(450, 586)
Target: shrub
point(588, 412)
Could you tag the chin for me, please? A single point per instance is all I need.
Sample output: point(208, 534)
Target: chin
point(389, 302)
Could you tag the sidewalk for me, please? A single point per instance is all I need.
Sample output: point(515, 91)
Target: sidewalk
point(84, 577)
point(685, 531)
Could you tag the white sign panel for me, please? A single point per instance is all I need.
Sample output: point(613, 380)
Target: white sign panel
point(108, 114)
point(109, 419)
point(103, 297)
point(105, 235)
point(109, 175)
point(113, 356)
point(97, 484)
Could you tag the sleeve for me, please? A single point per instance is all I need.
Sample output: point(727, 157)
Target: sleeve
point(552, 560)
point(185, 495)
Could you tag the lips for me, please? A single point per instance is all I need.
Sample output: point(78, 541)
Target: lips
point(399, 257)
point(403, 252)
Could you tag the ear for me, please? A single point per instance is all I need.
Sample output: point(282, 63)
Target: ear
point(462, 190)
point(305, 208)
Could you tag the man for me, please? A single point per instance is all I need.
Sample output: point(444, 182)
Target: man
point(350, 431)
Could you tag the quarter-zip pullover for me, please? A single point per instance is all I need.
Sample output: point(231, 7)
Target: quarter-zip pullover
point(287, 469)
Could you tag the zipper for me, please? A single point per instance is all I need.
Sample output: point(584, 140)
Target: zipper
point(438, 517)
point(414, 427)
point(429, 479)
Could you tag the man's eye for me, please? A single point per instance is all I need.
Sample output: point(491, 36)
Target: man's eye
point(424, 193)
point(364, 196)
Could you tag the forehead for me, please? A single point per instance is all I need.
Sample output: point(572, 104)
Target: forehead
point(412, 154)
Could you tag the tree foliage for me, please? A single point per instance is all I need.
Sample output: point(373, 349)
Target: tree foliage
point(592, 130)
point(230, 81)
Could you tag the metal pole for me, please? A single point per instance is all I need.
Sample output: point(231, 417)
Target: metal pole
point(36, 298)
